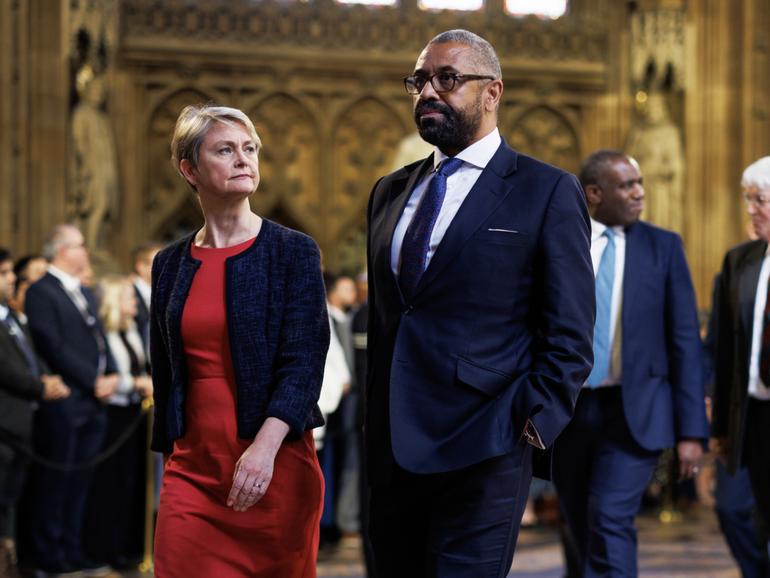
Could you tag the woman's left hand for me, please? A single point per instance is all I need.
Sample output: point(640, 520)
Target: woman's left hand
point(254, 469)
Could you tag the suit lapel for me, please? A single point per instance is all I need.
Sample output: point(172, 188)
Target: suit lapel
point(399, 194)
point(633, 270)
point(747, 290)
point(490, 190)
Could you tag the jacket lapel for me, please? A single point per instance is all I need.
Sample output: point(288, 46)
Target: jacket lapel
point(399, 194)
point(747, 291)
point(490, 190)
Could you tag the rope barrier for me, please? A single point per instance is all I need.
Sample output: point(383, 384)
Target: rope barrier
point(105, 454)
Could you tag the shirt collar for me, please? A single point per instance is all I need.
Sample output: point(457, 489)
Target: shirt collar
point(70, 282)
point(143, 287)
point(337, 313)
point(478, 154)
point(4, 311)
point(597, 230)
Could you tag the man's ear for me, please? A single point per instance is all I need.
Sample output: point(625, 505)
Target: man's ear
point(593, 195)
point(189, 172)
point(494, 91)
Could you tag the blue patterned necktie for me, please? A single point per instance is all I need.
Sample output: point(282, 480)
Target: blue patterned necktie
point(17, 334)
point(605, 279)
point(414, 249)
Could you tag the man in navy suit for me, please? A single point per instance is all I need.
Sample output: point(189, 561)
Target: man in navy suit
point(68, 335)
point(481, 315)
point(645, 391)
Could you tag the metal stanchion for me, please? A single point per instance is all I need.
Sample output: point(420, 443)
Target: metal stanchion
point(149, 500)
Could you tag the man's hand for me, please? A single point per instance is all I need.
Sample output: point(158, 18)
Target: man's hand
point(105, 386)
point(54, 387)
point(690, 453)
point(719, 448)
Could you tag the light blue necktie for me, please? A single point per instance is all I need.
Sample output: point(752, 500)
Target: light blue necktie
point(605, 279)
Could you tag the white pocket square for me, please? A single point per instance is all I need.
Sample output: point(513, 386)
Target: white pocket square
point(503, 231)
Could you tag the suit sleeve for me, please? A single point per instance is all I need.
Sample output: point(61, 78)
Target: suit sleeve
point(53, 344)
point(304, 340)
point(723, 353)
point(161, 368)
point(684, 346)
point(564, 313)
point(17, 380)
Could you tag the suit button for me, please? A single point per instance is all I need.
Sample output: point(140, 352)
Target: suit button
point(408, 309)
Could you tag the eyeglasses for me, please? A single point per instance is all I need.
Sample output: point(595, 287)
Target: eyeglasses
point(441, 81)
point(760, 200)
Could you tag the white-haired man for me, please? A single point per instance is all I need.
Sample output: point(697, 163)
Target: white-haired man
point(741, 412)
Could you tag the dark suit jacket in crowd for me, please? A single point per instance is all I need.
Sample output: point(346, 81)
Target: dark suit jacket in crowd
point(277, 324)
point(499, 328)
point(68, 344)
point(18, 387)
point(734, 308)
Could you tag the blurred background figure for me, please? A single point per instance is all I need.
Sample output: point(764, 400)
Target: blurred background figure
point(23, 380)
point(64, 322)
point(28, 270)
point(114, 527)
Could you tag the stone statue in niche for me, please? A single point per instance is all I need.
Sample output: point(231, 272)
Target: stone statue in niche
point(94, 179)
point(656, 142)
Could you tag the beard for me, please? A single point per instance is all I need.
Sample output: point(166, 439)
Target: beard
point(455, 130)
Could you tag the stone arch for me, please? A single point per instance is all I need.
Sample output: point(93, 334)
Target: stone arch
point(546, 134)
point(290, 162)
point(365, 139)
point(167, 199)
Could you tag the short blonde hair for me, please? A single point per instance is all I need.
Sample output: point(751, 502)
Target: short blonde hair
point(111, 289)
point(194, 123)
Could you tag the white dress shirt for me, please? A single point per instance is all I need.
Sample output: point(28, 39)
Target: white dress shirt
point(475, 159)
point(598, 244)
point(144, 290)
point(757, 389)
point(124, 395)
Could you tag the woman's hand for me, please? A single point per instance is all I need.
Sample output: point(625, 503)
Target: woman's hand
point(254, 469)
point(143, 385)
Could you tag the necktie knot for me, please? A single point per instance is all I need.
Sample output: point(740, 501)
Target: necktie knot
point(610, 234)
point(449, 166)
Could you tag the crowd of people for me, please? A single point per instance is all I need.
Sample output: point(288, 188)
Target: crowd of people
point(513, 321)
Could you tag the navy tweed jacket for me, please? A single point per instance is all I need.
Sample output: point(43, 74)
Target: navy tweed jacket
point(278, 329)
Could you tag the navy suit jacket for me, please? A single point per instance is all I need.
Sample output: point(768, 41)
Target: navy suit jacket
point(68, 345)
point(499, 328)
point(662, 363)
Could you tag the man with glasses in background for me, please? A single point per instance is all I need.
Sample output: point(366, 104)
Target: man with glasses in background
point(741, 404)
point(481, 300)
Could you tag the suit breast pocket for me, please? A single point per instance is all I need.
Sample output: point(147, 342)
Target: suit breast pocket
point(501, 236)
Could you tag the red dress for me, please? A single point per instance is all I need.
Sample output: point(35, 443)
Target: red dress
point(197, 535)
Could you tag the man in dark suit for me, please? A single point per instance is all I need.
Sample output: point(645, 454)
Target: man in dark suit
point(481, 313)
point(741, 405)
point(645, 391)
point(23, 380)
point(68, 334)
